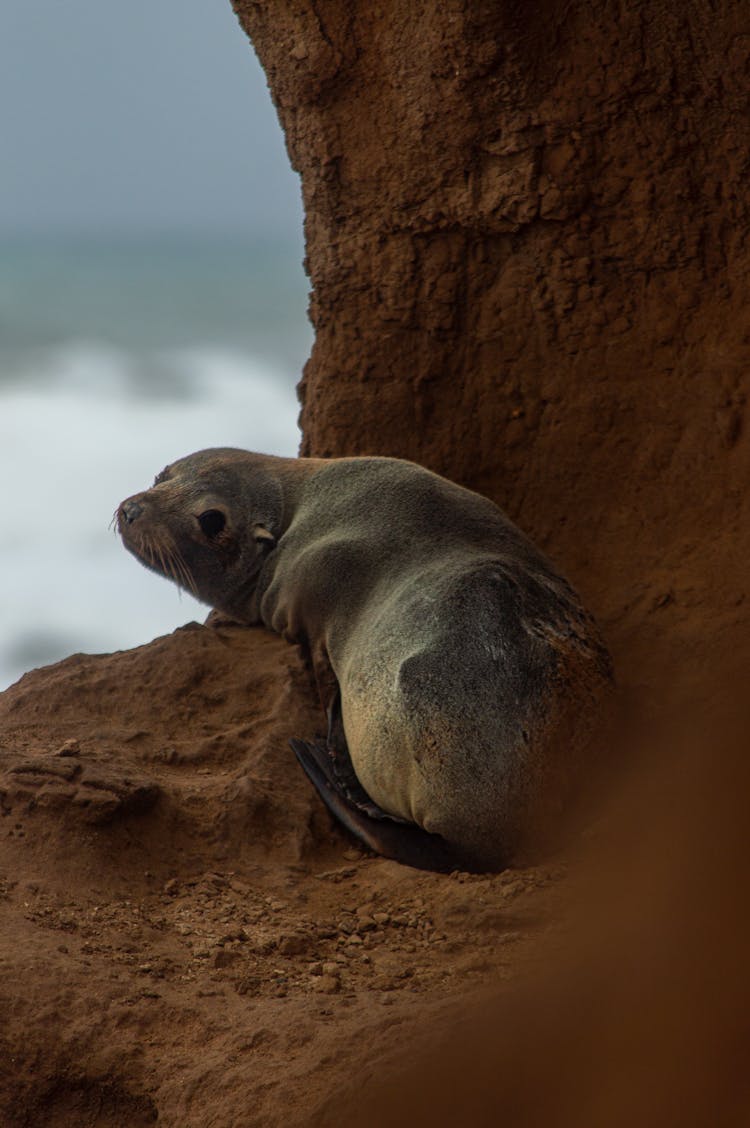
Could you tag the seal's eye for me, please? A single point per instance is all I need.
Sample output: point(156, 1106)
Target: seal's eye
point(212, 522)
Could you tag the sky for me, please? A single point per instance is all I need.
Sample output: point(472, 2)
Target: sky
point(144, 115)
point(121, 123)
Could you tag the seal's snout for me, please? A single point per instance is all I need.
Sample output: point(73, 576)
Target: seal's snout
point(130, 510)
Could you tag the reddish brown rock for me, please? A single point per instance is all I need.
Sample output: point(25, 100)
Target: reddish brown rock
point(526, 234)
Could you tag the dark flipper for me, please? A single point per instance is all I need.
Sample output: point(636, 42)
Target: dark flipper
point(339, 776)
point(393, 838)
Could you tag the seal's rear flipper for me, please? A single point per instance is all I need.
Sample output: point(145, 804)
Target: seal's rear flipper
point(393, 838)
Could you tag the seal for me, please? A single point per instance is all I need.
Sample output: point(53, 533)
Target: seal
point(460, 675)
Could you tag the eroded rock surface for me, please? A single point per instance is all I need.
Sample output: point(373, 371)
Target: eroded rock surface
point(526, 236)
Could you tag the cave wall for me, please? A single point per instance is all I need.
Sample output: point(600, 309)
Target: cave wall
point(526, 233)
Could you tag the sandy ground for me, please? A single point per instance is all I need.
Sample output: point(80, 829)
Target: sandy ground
point(185, 935)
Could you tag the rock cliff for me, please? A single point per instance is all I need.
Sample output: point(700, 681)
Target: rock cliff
point(527, 242)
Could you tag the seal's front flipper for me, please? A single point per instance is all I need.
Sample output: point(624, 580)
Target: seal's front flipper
point(403, 841)
point(339, 777)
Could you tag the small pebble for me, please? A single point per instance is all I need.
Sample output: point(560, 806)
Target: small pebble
point(234, 935)
point(328, 984)
point(292, 945)
point(224, 957)
point(69, 748)
point(249, 985)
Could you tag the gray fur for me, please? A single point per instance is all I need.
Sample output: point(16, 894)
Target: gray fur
point(470, 675)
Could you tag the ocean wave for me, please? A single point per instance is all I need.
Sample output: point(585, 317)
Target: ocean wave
point(112, 370)
point(84, 427)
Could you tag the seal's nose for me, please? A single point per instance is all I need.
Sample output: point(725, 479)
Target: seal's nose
point(130, 510)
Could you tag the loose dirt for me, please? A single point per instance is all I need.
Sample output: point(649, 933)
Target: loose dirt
point(185, 935)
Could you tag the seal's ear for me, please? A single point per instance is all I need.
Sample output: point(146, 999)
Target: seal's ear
point(263, 537)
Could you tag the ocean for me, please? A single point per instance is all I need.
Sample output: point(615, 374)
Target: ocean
point(118, 355)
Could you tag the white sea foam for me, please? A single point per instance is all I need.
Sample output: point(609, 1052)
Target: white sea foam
point(89, 425)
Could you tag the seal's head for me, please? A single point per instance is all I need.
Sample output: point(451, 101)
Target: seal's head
point(209, 522)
